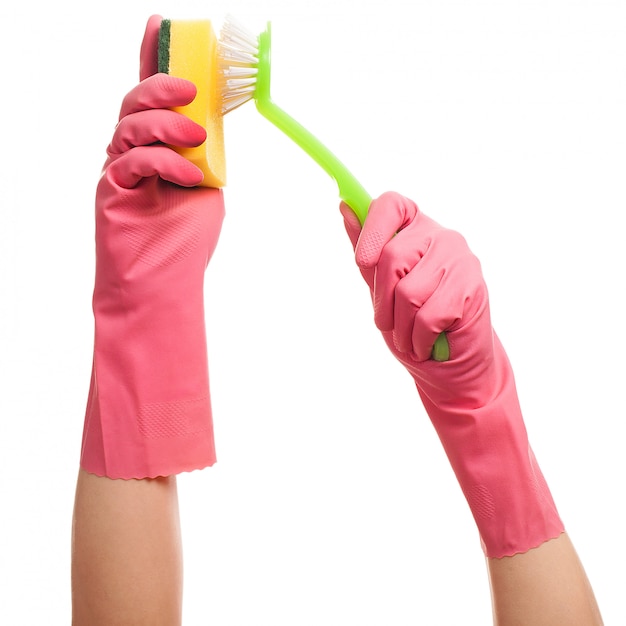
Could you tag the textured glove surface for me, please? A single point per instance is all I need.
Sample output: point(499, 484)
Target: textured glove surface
point(424, 280)
point(149, 409)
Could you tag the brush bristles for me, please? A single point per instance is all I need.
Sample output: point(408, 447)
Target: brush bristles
point(238, 59)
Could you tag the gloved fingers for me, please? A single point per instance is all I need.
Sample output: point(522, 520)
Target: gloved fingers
point(458, 304)
point(387, 215)
point(410, 295)
point(401, 256)
point(430, 320)
point(148, 55)
point(146, 161)
point(159, 91)
point(424, 263)
point(155, 125)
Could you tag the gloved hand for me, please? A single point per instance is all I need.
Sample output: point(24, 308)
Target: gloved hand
point(149, 409)
point(424, 280)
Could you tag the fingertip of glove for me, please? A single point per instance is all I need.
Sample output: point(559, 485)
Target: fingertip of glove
point(368, 248)
point(191, 176)
point(148, 56)
point(194, 134)
point(172, 90)
point(183, 87)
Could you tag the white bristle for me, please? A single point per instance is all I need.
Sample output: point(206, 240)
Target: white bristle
point(232, 56)
point(235, 84)
point(243, 91)
point(234, 103)
point(236, 35)
point(235, 71)
point(238, 58)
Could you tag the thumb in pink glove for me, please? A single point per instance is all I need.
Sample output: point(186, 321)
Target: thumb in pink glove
point(424, 280)
point(149, 410)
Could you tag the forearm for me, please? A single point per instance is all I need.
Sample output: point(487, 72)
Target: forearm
point(126, 552)
point(546, 586)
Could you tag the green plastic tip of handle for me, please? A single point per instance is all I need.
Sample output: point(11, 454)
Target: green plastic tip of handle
point(441, 348)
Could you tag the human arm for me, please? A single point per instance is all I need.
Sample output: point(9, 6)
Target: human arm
point(424, 280)
point(148, 415)
point(546, 586)
point(127, 565)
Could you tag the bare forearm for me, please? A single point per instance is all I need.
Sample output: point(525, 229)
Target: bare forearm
point(126, 552)
point(546, 586)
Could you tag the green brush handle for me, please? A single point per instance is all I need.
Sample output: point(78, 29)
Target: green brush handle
point(350, 189)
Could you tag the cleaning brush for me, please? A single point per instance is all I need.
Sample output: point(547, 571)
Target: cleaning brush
point(244, 74)
point(245, 64)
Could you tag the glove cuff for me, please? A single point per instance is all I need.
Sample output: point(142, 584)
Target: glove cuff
point(489, 450)
point(149, 407)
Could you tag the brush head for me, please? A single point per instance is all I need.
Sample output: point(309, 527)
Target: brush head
point(241, 64)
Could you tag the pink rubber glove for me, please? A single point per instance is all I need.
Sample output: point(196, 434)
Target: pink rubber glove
point(425, 280)
point(149, 408)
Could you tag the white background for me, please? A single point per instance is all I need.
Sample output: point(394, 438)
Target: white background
point(331, 502)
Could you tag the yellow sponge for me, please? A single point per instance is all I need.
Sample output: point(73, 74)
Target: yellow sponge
point(188, 49)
